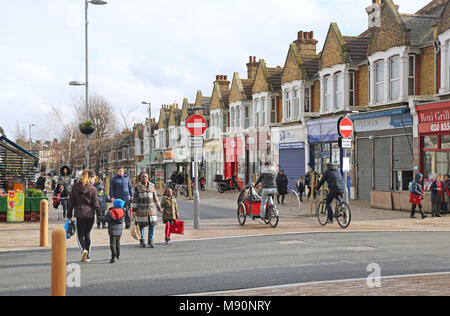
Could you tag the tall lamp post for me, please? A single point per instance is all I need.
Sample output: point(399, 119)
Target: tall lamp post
point(149, 137)
point(86, 83)
point(29, 130)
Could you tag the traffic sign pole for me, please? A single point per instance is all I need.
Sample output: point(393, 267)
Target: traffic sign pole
point(345, 129)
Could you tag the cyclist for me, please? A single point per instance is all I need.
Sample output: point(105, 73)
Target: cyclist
point(337, 187)
point(268, 179)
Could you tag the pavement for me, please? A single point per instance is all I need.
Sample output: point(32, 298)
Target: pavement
point(294, 219)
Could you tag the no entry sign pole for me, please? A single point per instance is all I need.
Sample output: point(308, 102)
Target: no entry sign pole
point(196, 126)
point(345, 129)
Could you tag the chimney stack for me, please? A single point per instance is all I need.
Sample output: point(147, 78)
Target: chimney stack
point(374, 12)
point(252, 67)
point(306, 43)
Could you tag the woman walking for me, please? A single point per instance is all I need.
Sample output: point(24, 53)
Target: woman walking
point(84, 201)
point(417, 196)
point(437, 195)
point(170, 212)
point(145, 205)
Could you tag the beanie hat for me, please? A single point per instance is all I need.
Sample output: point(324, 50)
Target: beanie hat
point(119, 203)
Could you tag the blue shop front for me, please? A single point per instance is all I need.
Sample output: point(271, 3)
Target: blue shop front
point(323, 140)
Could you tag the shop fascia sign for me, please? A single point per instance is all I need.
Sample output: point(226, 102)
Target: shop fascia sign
point(434, 121)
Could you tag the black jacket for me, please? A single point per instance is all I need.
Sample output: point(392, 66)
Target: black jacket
point(334, 179)
point(40, 184)
point(114, 218)
point(282, 184)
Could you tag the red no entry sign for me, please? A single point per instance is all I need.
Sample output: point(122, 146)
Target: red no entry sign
point(345, 127)
point(196, 125)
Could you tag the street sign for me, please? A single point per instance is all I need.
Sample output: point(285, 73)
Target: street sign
point(345, 143)
point(196, 125)
point(195, 141)
point(345, 127)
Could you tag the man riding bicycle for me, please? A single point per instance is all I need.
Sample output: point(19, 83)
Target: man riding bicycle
point(268, 179)
point(337, 188)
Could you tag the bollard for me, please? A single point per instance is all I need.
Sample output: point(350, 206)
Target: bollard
point(44, 224)
point(58, 281)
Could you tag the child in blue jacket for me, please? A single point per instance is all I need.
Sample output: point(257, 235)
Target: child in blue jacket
point(114, 217)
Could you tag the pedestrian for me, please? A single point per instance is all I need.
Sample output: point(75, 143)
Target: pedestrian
point(122, 188)
point(437, 195)
point(65, 178)
point(445, 208)
point(84, 201)
point(300, 188)
point(114, 218)
point(282, 186)
point(40, 184)
point(311, 181)
point(145, 205)
point(416, 196)
point(102, 199)
point(170, 212)
point(61, 193)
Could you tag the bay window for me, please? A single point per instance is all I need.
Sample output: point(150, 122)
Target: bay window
point(327, 94)
point(287, 110)
point(237, 123)
point(263, 112)
point(246, 117)
point(394, 78)
point(379, 81)
point(412, 75)
point(296, 103)
point(351, 86)
point(307, 99)
point(273, 111)
point(339, 91)
point(256, 113)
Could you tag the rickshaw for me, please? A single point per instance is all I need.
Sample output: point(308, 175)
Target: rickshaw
point(249, 205)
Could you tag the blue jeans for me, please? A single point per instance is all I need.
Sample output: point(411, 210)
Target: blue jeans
point(265, 194)
point(151, 233)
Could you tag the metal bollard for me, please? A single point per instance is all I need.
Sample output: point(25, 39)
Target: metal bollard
point(58, 281)
point(44, 224)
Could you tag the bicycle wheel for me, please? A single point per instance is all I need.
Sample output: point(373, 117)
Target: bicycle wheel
point(273, 217)
point(322, 213)
point(242, 214)
point(344, 215)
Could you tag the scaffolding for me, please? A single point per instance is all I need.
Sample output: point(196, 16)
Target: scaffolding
point(16, 164)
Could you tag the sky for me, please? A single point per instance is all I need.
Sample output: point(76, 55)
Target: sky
point(146, 50)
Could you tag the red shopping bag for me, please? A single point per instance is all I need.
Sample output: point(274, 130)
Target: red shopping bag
point(177, 228)
point(415, 199)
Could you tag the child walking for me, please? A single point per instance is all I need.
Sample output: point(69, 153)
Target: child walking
point(102, 199)
point(114, 218)
point(416, 196)
point(170, 212)
point(301, 188)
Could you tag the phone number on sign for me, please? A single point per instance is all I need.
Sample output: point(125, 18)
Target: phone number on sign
point(441, 127)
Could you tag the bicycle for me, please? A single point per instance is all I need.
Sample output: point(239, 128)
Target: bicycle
point(249, 205)
point(342, 213)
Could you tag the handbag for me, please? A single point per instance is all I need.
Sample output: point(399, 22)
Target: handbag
point(177, 228)
point(134, 229)
point(415, 199)
point(153, 220)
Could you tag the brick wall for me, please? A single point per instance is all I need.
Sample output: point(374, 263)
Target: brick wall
point(332, 52)
point(235, 92)
point(316, 96)
point(260, 84)
point(292, 70)
point(427, 71)
point(363, 93)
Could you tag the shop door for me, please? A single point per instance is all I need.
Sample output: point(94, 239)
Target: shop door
point(364, 165)
point(292, 161)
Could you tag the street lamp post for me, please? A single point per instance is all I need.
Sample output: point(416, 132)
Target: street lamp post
point(86, 83)
point(149, 137)
point(29, 129)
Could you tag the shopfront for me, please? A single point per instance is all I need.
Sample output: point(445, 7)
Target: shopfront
point(233, 149)
point(434, 140)
point(384, 152)
point(257, 152)
point(291, 153)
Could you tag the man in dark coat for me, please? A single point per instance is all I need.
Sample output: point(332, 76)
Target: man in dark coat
point(122, 188)
point(337, 187)
point(282, 186)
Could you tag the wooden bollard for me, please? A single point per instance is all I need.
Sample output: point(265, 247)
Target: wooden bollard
point(58, 262)
point(44, 224)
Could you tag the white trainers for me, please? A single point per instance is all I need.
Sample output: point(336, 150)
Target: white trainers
point(84, 256)
point(261, 221)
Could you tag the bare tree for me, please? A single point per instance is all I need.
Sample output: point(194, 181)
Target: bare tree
point(101, 113)
point(128, 118)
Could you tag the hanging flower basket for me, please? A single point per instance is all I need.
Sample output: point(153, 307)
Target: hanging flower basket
point(87, 128)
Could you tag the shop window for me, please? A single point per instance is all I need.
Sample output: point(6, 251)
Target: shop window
point(436, 162)
point(379, 81)
point(430, 142)
point(445, 142)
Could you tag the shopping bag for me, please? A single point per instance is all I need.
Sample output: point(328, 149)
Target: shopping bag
point(415, 199)
point(134, 229)
point(177, 228)
point(70, 228)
